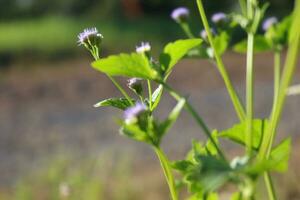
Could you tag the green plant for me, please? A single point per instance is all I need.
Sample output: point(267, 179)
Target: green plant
point(206, 168)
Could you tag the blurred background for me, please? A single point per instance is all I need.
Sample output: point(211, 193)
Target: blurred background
point(55, 145)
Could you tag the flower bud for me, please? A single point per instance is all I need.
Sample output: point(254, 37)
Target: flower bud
point(90, 38)
point(135, 84)
point(132, 114)
point(180, 14)
point(269, 22)
point(219, 18)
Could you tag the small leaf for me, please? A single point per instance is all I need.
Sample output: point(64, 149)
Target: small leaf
point(278, 160)
point(120, 103)
point(156, 96)
point(260, 45)
point(182, 165)
point(238, 131)
point(130, 65)
point(221, 42)
point(280, 155)
point(174, 51)
point(133, 131)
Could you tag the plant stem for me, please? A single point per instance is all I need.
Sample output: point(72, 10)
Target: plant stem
point(196, 116)
point(150, 94)
point(220, 65)
point(249, 93)
point(243, 6)
point(249, 82)
point(187, 30)
point(165, 164)
point(276, 77)
point(270, 186)
point(119, 87)
point(290, 65)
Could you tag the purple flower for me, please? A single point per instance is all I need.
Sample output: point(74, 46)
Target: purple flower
point(180, 14)
point(218, 17)
point(89, 35)
point(131, 114)
point(269, 22)
point(143, 47)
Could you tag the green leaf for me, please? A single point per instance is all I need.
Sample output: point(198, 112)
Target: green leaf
point(174, 51)
point(208, 174)
point(238, 131)
point(133, 131)
point(260, 45)
point(156, 96)
point(166, 125)
point(182, 165)
point(280, 156)
point(278, 160)
point(130, 65)
point(236, 196)
point(120, 103)
point(278, 34)
point(221, 42)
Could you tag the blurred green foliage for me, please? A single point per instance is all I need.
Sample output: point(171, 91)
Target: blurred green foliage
point(50, 27)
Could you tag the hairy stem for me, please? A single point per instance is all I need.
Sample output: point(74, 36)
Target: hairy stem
point(220, 65)
point(165, 164)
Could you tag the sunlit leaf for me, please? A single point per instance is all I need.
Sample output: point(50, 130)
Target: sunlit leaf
point(174, 51)
point(129, 65)
point(238, 132)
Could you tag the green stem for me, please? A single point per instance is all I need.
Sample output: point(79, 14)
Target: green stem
point(270, 186)
point(187, 30)
point(220, 65)
point(243, 6)
point(150, 94)
point(287, 76)
point(119, 87)
point(276, 77)
point(249, 94)
point(165, 164)
point(197, 118)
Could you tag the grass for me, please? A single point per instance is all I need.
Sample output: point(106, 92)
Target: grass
point(50, 34)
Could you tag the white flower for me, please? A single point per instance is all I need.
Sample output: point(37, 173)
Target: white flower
point(89, 35)
point(143, 48)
